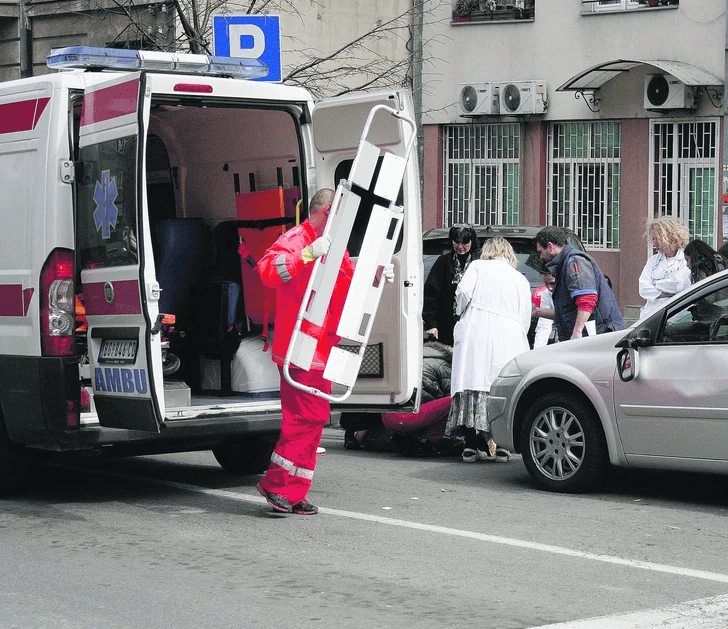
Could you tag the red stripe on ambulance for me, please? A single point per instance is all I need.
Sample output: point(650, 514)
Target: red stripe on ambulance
point(21, 116)
point(14, 301)
point(126, 298)
point(110, 102)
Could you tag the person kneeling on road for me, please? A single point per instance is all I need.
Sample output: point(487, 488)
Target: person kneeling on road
point(411, 434)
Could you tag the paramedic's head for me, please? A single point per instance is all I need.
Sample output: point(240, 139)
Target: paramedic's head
point(319, 208)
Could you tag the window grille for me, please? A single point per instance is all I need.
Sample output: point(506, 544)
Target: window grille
point(684, 182)
point(481, 174)
point(584, 180)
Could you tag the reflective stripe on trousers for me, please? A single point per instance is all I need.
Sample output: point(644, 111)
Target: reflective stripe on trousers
point(304, 416)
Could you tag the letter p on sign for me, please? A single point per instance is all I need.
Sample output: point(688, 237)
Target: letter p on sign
point(252, 37)
point(246, 40)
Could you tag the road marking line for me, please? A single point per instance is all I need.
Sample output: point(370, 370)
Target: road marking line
point(483, 537)
point(703, 613)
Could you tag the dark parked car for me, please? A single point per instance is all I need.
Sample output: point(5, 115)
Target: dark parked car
point(435, 242)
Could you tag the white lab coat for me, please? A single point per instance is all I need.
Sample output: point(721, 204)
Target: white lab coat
point(494, 304)
point(662, 274)
point(544, 325)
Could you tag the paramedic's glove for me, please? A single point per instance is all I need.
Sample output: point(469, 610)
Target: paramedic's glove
point(319, 247)
point(388, 273)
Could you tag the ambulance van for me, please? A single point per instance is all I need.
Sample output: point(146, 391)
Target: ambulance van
point(131, 319)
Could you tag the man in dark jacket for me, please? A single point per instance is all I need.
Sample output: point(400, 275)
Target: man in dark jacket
point(581, 293)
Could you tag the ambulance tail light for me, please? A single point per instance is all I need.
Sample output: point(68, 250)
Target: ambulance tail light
point(57, 304)
point(193, 87)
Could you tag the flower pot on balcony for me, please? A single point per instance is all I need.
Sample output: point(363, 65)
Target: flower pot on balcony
point(461, 18)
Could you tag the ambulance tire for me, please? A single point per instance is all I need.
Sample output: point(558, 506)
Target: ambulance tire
point(246, 455)
point(13, 468)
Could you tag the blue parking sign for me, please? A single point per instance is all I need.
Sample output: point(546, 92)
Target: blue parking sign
point(252, 37)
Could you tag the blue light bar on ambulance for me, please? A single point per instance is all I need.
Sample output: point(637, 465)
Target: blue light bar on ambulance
point(88, 57)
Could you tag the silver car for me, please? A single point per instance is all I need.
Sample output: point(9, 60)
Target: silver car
point(653, 396)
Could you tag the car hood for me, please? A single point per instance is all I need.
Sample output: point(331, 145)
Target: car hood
point(594, 356)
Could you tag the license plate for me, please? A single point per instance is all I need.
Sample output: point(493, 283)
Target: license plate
point(118, 351)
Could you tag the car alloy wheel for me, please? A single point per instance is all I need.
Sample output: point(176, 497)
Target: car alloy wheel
point(562, 443)
point(557, 443)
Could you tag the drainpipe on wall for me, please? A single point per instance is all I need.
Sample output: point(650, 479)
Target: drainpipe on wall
point(417, 92)
point(25, 42)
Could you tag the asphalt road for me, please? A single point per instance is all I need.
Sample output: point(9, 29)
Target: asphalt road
point(175, 542)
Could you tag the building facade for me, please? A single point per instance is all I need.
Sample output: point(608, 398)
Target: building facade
point(29, 31)
point(592, 115)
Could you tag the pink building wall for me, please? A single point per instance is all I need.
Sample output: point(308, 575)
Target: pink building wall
point(432, 189)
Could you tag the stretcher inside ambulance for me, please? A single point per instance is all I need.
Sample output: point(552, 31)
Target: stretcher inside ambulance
point(135, 300)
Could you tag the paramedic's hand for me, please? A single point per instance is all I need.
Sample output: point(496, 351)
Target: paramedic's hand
point(319, 247)
point(388, 273)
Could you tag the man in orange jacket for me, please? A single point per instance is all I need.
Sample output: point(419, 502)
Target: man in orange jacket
point(287, 266)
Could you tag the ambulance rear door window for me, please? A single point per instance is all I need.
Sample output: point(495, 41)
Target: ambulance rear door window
point(106, 220)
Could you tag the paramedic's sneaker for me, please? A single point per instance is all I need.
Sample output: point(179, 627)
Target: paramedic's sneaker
point(320, 450)
point(304, 508)
point(470, 455)
point(502, 455)
point(278, 502)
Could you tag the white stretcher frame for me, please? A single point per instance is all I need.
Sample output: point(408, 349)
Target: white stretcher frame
point(367, 284)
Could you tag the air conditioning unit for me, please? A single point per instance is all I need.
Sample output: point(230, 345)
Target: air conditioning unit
point(476, 99)
point(663, 91)
point(522, 97)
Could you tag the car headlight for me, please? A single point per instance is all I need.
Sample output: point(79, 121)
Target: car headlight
point(510, 370)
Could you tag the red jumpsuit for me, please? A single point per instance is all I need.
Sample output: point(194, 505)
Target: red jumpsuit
point(304, 415)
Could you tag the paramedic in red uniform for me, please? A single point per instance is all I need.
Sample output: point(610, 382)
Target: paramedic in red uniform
point(287, 266)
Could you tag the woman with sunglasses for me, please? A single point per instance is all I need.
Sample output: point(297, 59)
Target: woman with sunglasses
point(438, 310)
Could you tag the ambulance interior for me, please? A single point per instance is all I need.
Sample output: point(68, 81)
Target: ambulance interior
point(215, 174)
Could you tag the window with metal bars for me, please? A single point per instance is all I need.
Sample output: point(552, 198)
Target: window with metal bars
point(685, 168)
point(481, 174)
point(584, 175)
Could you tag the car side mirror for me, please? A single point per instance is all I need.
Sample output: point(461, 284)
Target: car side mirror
point(628, 364)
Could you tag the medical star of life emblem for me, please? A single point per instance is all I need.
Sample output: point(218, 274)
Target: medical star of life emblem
point(106, 212)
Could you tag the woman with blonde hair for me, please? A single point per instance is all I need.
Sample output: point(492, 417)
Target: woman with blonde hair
point(666, 272)
point(493, 301)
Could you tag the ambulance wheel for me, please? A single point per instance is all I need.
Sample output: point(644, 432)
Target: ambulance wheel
point(246, 455)
point(13, 468)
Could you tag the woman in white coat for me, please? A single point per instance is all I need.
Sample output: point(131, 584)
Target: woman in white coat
point(666, 272)
point(493, 301)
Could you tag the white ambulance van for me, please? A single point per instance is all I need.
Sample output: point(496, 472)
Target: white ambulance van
point(128, 322)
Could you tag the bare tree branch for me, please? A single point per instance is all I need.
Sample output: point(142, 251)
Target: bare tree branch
point(356, 65)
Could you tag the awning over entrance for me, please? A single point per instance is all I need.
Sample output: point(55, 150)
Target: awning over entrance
point(596, 76)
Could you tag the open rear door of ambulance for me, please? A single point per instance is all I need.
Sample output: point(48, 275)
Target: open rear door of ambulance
point(390, 374)
point(119, 289)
